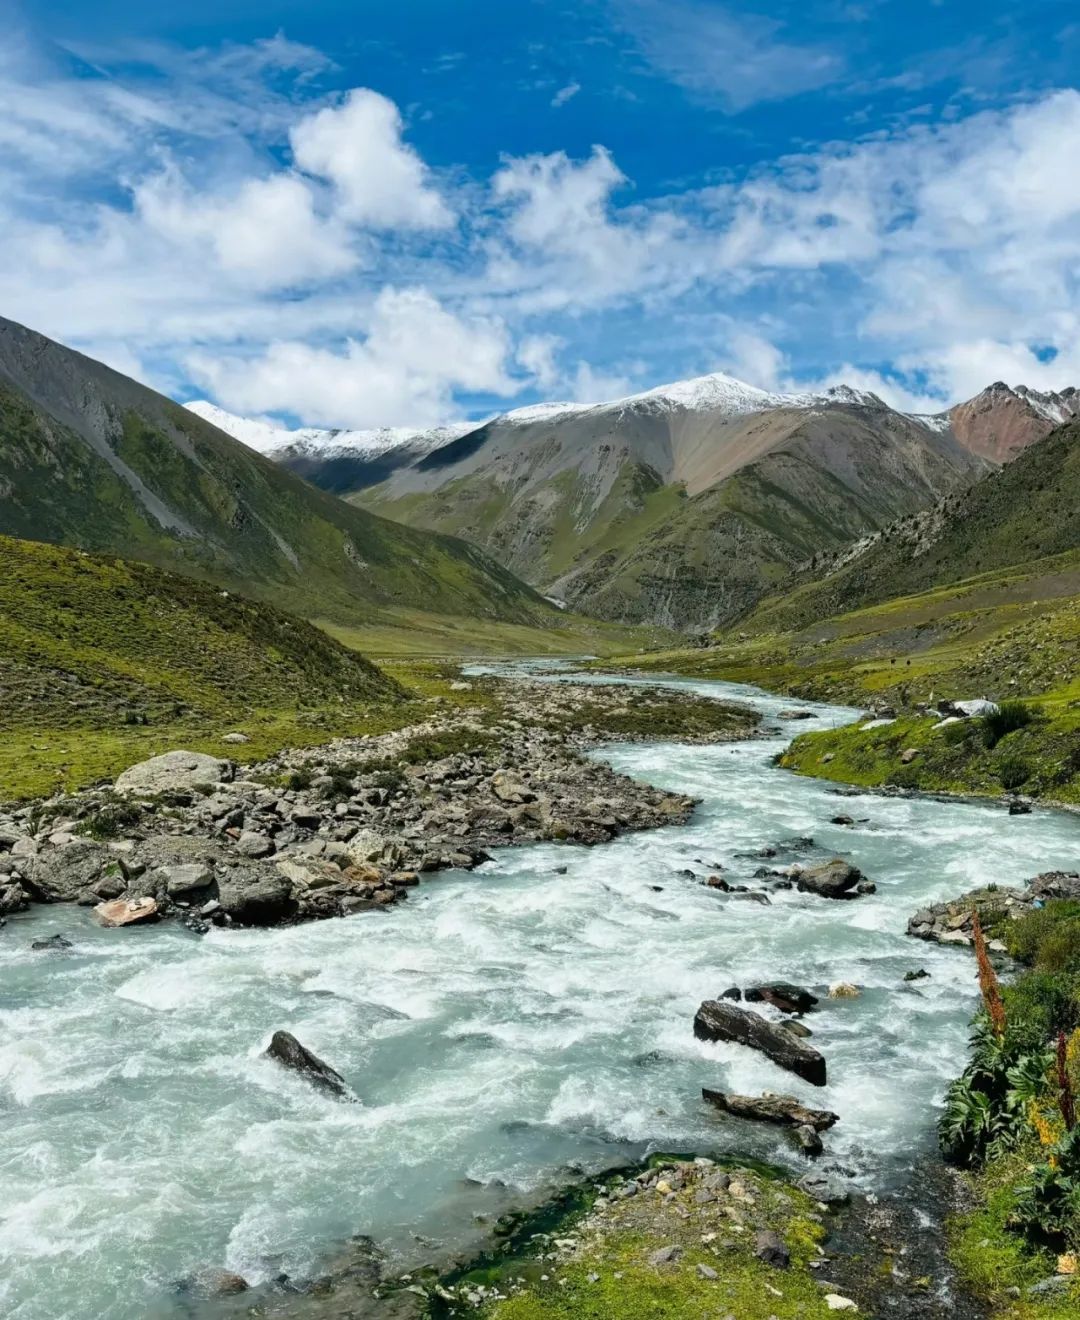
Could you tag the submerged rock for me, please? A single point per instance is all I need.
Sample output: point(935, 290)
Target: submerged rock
point(285, 1049)
point(783, 995)
point(53, 944)
point(722, 1021)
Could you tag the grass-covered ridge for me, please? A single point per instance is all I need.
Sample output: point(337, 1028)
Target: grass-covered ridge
point(104, 660)
point(93, 460)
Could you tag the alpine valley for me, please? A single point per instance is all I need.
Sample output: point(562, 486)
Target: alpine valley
point(680, 506)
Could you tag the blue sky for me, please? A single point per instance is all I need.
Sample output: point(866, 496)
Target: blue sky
point(367, 214)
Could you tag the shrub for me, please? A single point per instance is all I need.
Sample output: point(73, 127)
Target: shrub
point(1048, 1206)
point(1040, 1004)
point(1048, 938)
point(1009, 716)
point(1013, 771)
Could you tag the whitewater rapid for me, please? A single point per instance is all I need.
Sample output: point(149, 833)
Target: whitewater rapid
point(499, 1028)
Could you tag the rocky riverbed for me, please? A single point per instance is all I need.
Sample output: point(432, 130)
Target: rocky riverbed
point(354, 825)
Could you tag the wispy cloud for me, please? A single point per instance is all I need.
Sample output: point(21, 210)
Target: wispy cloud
point(736, 58)
point(565, 94)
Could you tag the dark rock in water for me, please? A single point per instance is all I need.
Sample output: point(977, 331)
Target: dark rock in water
point(833, 879)
point(842, 820)
point(920, 975)
point(732, 992)
point(651, 1058)
point(799, 843)
point(794, 714)
point(750, 895)
point(768, 1108)
point(721, 1020)
point(285, 1049)
point(717, 882)
point(54, 942)
point(769, 1247)
point(1019, 809)
point(866, 887)
point(809, 1140)
point(783, 995)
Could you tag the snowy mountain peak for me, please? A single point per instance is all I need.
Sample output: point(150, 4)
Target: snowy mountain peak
point(274, 440)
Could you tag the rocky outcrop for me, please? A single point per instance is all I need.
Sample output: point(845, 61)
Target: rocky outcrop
point(285, 1049)
point(721, 1020)
point(173, 772)
point(952, 922)
point(769, 1108)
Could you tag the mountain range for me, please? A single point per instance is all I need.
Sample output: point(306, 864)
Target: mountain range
point(679, 506)
point(93, 460)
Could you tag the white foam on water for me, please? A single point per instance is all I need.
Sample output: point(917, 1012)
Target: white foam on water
point(497, 1026)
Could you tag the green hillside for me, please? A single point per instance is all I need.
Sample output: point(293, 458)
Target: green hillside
point(91, 459)
point(103, 661)
point(1027, 511)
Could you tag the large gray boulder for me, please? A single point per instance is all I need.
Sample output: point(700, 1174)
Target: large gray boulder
point(67, 873)
point(722, 1020)
point(255, 895)
point(173, 772)
point(834, 879)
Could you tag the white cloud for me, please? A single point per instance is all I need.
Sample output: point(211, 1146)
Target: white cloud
point(754, 359)
point(357, 146)
point(565, 94)
point(589, 385)
point(415, 355)
point(266, 234)
point(536, 355)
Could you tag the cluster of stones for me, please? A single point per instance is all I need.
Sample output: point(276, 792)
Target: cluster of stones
point(953, 922)
point(213, 846)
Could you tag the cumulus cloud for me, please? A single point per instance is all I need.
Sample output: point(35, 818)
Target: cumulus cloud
point(358, 147)
point(414, 356)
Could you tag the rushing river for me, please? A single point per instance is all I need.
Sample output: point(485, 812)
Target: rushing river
point(500, 1026)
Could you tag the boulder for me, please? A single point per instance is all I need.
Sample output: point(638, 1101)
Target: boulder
point(285, 1049)
point(723, 1021)
point(769, 1108)
point(809, 1140)
point(1055, 884)
point(783, 995)
point(127, 911)
point(61, 875)
point(844, 990)
point(179, 881)
point(832, 879)
point(509, 787)
point(253, 844)
point(13, 898)
point(256, 895)
point(823, 1188)
point(172, 772)
point(770, 1247)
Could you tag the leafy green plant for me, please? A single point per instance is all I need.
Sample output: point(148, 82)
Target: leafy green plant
point(1009, 716)
point(1048, 1206)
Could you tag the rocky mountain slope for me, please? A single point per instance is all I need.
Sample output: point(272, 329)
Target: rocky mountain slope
point(1001, 422)
point(89, 458)
point(1022, 513)
point(678, 506)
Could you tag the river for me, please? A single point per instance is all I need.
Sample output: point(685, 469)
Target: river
point(499, 1027)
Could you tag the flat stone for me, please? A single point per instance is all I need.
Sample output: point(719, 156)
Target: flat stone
point(126, 911)
point(186, 879)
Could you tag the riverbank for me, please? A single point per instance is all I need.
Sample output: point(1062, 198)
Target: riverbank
point(352, 825)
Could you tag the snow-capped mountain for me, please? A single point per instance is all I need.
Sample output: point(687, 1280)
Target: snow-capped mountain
point(312, 442)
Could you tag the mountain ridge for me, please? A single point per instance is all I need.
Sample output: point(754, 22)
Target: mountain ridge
point(94, 460)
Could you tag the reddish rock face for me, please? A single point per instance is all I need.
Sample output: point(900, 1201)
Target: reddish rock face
point(1000, 422)
point(126, 911)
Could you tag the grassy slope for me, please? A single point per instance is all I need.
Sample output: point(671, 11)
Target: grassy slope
point(1026, 512)
point(250, 525)
point(104, 661)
